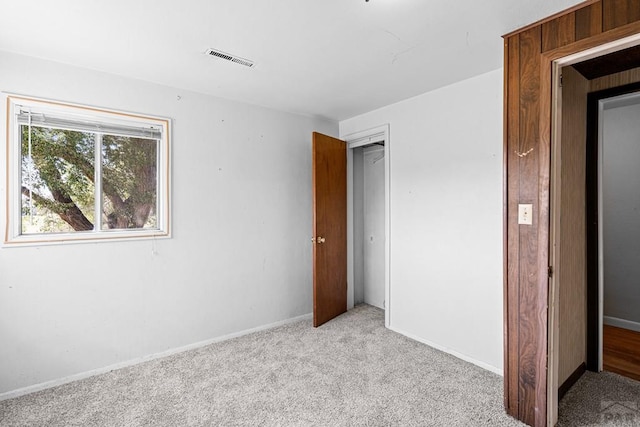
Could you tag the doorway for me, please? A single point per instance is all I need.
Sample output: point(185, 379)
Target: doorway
point(368, 225)
point(576, 225)
point(368, 219)
point(614, 236)
point(531, 58)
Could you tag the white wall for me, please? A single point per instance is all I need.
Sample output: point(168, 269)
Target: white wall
point(240, 256)
point(621, 213)
point(374, 222)
point(446, 216)
point(357, 165)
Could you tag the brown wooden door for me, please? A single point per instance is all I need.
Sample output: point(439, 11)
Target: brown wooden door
point(329, 228)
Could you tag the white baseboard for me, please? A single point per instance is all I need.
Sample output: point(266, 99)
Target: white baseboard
point(621, 323)
point(60, 381)
point(466, 358)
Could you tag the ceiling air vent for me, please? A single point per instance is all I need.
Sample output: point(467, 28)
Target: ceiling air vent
point(229, 57)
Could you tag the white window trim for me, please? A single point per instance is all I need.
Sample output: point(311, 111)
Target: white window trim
point(13, 236)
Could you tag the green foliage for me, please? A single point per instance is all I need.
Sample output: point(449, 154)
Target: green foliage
point(129, 171)
point(57, 177)
point(58, 174)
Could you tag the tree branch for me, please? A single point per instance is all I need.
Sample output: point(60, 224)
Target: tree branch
point(64, 207)
point(70, 155)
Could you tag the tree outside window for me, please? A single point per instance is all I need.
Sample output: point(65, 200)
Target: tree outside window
point(89, 174)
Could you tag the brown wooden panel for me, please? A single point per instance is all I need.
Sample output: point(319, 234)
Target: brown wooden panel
point(559, 32)
point(550, 35)
point(566, 29)
point(542, 255)
point(575, 8)
point(616, 13)
point(613, 80)
point(573, 268)
point(619, 33)
point(633, 10)
point(613, 14)
point(513, 172)
point(589, 21)
point(530, 49)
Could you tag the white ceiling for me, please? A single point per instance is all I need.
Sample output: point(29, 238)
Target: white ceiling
point(332, 58)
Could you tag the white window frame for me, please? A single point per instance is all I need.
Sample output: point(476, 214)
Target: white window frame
point(13, 235)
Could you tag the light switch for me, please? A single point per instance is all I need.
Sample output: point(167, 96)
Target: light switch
point(525, 214)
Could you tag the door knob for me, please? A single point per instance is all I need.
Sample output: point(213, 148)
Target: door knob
point(321, 239)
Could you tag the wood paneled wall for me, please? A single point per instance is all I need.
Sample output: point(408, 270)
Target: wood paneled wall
point(528, 181)
point(529, 53)
point(614, 80)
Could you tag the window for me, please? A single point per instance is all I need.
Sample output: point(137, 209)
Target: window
point(82, 173)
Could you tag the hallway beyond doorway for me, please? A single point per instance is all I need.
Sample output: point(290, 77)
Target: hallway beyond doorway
point(621, 351)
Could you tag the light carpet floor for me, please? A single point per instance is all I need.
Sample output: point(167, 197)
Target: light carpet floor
point(349, 372)
point(601, 399)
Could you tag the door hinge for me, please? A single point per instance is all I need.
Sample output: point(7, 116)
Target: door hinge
point(561, 80)
point(550, 272)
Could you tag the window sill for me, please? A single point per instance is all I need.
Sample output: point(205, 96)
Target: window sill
point(84, 237)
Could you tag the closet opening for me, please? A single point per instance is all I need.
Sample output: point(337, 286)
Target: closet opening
point(368, 219)
point(368, 225)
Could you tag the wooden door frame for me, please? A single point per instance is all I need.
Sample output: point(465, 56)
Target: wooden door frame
point(355, 140)
point(554, 208)
point(526, 362)
point(553, 338)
